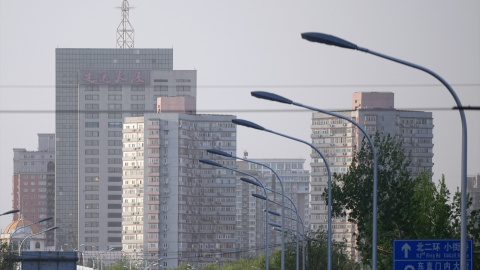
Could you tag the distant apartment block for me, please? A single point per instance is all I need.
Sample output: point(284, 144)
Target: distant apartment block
point(473, 190)
point(33, 183)
point(250, 210)
point(95, 90)
point(338, 139)
point(174, 208)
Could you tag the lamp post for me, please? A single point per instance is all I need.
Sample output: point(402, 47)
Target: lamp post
point(10, 212)
point(25, 226)
point(212, 163)
point(335, 41)
point(29, 236)
point(298, 219)
point(222, 153)
point(274, 97)
point(329, 222)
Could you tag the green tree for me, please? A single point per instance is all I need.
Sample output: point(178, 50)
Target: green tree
point(316, 251)
point(352, 192)
point(408, 208)
point(7, 258)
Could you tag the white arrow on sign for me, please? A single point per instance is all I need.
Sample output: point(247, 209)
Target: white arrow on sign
point(406, 248)
point(409, 267)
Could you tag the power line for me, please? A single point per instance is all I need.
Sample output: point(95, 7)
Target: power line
point(207, 111)
point(278, 85)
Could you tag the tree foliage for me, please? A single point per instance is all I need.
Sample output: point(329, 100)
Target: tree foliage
point(408, 208)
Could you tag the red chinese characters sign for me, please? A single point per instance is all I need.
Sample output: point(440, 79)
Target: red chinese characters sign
point(139, 77)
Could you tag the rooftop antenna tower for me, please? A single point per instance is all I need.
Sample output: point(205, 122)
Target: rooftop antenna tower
point(125, 32)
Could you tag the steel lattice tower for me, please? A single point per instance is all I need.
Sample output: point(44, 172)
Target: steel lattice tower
point(125, 32)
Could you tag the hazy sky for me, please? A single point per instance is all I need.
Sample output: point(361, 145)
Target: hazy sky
point(240, 46)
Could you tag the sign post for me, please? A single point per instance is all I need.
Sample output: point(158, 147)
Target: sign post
point(429, 254)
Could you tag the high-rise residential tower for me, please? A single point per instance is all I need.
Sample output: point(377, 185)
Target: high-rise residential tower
point(95, 90)
point(33, 186)
point(174, 208)
point(250, 214)
point(338, 139)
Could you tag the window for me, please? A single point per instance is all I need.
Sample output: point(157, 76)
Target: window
point(91, 161)
point(91, 206)
point(160, 88)
point(114, 116)
point(91, 188)
point(183, 88)
point(138, 97)
point(138, 88)
point(92, 169)
point(114, 151)
point(91, 87)
point(91, 151)
point(92, 215)
point(114, 106)
point(114, 88)
point(114, 188)
point(91, 116)
point(138, 106)
point(115, 206)
point(117, 179)
point(91, 142)
point(114, 142)
point(91, 124)
point(114, 170)
point(91, 133)
point(92, 106)
point(91, 178)
point(114, 97)
point(114, 134)
point(91, 97)
point(115, 124)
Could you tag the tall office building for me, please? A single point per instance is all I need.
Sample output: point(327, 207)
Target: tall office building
point(175, 209)
point(250, 214)
point(33, 183)
point(95, 90)
point(337, 139)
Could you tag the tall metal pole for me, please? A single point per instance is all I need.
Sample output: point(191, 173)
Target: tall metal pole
point(329, 222)
point(335, 41)
point(215, 151)
point(212, 163)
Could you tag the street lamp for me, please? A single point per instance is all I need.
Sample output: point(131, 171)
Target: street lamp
point(299, 219)
point(329, 222)
point(31, 235)
point(222, 153)
point(335, 41)
point(274, 97)
point(10, 212)
point(213, 163)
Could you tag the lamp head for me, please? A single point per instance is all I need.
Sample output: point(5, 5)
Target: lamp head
point(271, 96)
point(246, 123)
point(219, 152)
point(10, 212)
point(209, 162)
point(250, 181)
point(275, 224)
point(45, 219)
point(259, 196)
point(329, 40)
point(274, 213)
point(51, 229)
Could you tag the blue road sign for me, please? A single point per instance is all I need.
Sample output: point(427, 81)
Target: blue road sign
point(429, 254)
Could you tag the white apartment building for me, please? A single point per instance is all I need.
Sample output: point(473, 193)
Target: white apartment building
point(337, 139)
point(174, 208)
point(250, 210)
